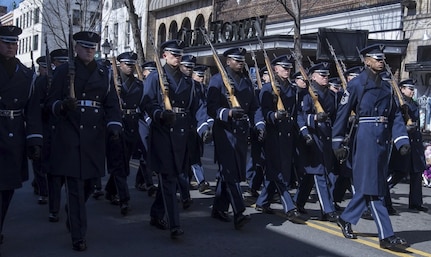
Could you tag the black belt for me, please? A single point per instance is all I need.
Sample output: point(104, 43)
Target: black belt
point(88, 103)
point(131, 111)
point(10, 113)
point(376, 119)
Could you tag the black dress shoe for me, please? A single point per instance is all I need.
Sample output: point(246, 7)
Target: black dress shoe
point(187, 203)
point(338, 207)
point(393, 243)
point(220, 215)
point(159, 223)
point(346, 229)
point(176, 233)
point(391, 211)
point(112, 198)
point(124, 208)
point(367, 215)
point(97, 194)
point(42, 200)
point(332, 216)
point(418, 208)
point(53, 217)
point(265, 209)
point(301, 209)
point(141, 187)
point(240, 220)
point(253, 192)
point(294, 217)
point(79, 245)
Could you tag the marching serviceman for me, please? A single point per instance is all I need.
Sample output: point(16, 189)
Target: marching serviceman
point(412, 164)
point(55, 182)
point(173, 110)
point(379, 122)
point(315, 127)
point(279, 141)
point(131, 94)
point(144, 175)
point(230, 130)
point(20, 120)
point(86, 108)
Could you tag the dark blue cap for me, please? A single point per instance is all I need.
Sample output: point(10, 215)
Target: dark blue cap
point(411, 83)
point(188, 60)
point(149, 66)
point(128, 58)
point(354, 71)
point(9, 34)
point(61, 55)
point(236, 53)
point(42, 61)
point(87, 39)
point(321, 68)
point(173, 46)
point(284, 61)
point(297, 75)
point(263, 71)
point(335, 82)
point(374, 51)
point(199, 70)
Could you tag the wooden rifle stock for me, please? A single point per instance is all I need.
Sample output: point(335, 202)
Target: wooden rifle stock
point(71, 60)
point(403, 106)
point(340, 70)
point(48, 65)
point(163, 82)
point(256, 67)
point(115, 79)
point(313, 95)
point(232, 100)
point(280, 105)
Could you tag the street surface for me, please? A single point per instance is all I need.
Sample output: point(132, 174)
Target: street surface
point(27, 232)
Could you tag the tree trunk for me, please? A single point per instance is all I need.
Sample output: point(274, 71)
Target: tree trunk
point(133, 18)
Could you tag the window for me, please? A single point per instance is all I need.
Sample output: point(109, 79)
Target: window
point(36, 15)
point(127, 35)
point(35, 42)
point(94, 19)
point(76, 17)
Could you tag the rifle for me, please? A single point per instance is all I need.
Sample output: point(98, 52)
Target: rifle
point(163, 82)
point(228, 83)
point(71, 60)
point(48, 64)
point(313, 95)
point(256, 67)
point(280, 105)
point(340, 70)
point(310, 61)
point(403, 105)
point(115, 79)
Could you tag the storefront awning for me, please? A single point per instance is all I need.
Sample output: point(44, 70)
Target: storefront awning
point(157, 5)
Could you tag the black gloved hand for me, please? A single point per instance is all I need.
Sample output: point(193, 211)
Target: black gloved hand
point(308, 139)
point(352, 119)
point(280, 114)
point(68, 104)
point(405, 149)
point(321, 116)
point(340, 153)
point(237, 113)
point(34, 152)
point(168, 117)
point(410, 128)
point(114, 135)
point(261, 135)
point(207, 136)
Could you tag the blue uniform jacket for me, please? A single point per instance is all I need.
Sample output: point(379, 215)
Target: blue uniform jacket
point(280, 134)
point(231, 136)
point(78, 137)
point(168, 148)
point(370, 96)
point(415, 161)
point(318, 156)
point(17, 132)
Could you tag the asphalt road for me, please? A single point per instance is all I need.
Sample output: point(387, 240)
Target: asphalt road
point(29, 234)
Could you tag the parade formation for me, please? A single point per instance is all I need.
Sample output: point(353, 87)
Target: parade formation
point(285, 133)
